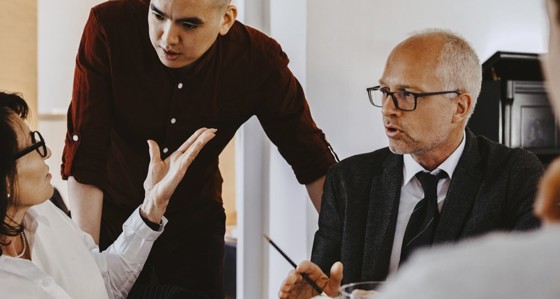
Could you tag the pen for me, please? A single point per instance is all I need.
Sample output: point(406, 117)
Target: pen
point(304, 275)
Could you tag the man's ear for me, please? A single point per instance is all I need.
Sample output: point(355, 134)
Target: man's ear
point(464, 106)
point(228, 19)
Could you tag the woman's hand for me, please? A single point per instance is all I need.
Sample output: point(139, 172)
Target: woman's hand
point(164, 175)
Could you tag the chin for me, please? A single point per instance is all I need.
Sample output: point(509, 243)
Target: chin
point(51, 191)
point(167, 64)
point(398, 150)
point(48, 194)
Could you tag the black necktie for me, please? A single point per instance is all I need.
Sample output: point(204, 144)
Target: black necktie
point(425, 217)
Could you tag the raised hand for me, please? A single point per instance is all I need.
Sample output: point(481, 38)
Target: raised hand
point(295, 287)
point(164, 175)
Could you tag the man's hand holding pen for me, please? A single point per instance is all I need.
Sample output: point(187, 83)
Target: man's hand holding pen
point(295, 287)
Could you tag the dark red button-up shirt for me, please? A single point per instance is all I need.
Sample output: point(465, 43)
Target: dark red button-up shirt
point(123, 95)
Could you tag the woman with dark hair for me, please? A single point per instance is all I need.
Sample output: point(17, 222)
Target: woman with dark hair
point(43, 254)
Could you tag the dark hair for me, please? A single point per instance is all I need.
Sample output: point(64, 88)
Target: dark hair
point(558, 11)
point(11, 105)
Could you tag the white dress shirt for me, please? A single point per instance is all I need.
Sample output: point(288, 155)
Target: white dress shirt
point(66, 262)
point(412, 193)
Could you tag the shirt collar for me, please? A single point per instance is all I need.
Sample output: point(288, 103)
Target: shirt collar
point(411, 167)
point(33, 218)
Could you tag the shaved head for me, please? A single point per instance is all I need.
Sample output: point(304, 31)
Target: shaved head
point(221, 3)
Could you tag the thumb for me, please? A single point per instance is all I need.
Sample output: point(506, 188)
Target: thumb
point(154, 151)
point(335, 277)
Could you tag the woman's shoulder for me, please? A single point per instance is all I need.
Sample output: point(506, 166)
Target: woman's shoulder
point(49, 214)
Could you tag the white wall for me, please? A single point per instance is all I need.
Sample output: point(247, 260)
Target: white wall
point(60, 25)
point(348, 43)
point(289, 202)
point(272, 200)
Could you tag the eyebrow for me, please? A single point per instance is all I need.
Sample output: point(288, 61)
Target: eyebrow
point(191, 20)
point(402, 87)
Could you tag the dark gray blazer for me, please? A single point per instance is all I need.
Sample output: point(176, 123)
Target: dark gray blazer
point(493, 188)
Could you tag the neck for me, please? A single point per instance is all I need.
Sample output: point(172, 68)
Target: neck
point(17, 246)
point(15, 217)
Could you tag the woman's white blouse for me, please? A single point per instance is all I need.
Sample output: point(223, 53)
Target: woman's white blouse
point(66, 262)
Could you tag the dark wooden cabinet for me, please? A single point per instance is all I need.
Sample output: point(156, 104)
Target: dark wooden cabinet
point(513, 107)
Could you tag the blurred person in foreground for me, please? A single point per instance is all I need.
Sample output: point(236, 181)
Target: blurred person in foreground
point(436, 182)
point(43, 253)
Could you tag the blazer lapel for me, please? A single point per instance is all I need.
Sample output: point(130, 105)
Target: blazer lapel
point(381, 219)
point(461, 194)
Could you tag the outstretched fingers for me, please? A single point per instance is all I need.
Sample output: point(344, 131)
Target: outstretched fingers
point(195, 146)
point(164, 176)
point(187, 144)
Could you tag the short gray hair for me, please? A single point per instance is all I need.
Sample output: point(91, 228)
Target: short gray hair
point(458, 64)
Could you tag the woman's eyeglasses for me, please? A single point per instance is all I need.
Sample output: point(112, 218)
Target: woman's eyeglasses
point(38, 145)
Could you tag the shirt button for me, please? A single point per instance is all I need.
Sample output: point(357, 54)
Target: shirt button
point(165, 150)
point(173, 120)
point(180, 85)
point(47, 282)
point(75, 138)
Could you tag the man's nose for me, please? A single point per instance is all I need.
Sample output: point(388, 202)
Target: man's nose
point(49, 153)
point(389, 107)
point(170, 34)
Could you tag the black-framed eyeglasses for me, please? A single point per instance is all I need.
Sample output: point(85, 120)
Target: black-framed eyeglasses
point(403, 99)
point(38, 145)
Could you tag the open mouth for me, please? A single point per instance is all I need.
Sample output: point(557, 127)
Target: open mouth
point(170, 55)
point(392, 131)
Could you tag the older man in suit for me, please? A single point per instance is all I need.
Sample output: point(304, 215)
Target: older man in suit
point(436, 182)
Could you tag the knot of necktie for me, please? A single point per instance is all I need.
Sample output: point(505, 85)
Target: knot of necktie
point(429, 182)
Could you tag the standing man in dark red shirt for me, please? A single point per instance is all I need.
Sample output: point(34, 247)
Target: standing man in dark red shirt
point(160, 70)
